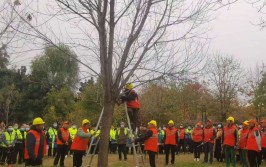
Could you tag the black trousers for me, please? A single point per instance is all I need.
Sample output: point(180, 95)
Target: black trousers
point(18, 152)
point(197, 149)
point(167, 149)
point(208, 149)
point(253, 158)
point(263, 154)
point(181, 144)
point(61, 153)
point(51, 152)
point(112, 146)
point(133, 117)
point(122, 149)
point(152, 158)
point(77, 158)
point(7, 155)
point(29, 162)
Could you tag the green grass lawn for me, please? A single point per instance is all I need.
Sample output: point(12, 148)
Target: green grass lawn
point(182, 160)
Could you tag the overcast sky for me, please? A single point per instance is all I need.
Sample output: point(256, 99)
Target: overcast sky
point(232, 33)
point(235, 34)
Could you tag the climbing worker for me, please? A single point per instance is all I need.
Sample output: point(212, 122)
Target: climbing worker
point(80, 143)
point(170, 142)
point(131, 97)
point(229, 139)
point(151, 141)
point(197, 137)
point(253, 146)
point(63, 138)
point(188, 140)
point(51, 136)
point(35, 144)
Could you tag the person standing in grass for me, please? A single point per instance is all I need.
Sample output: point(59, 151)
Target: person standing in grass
point(230, 141)
point(243, 134)
point(151, 141)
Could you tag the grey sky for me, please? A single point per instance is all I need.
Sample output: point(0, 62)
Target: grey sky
point(234, 34)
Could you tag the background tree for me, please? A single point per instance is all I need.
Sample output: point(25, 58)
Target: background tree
point(225, 75)
point(148, 46)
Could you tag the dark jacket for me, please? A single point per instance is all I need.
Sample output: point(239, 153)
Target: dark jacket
point(30, 139)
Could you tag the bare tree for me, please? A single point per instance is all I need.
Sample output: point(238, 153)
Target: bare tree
point(225, 74)
point(126, 40)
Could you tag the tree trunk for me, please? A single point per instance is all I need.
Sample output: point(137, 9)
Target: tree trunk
point(105, 132)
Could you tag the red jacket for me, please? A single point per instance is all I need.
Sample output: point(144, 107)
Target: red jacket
point(197, 135)
point(151, 144)
point(251, 141)
point(243, 138)
point(230, 136)
point(170, 136)
point(79, 143)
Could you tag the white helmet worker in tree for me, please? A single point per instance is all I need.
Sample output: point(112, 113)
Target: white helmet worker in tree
point(133, 106)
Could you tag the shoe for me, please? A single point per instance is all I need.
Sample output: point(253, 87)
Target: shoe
point(198, 159)
point(195, 159)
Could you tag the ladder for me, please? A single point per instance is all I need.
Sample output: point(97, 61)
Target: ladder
point(138, 155)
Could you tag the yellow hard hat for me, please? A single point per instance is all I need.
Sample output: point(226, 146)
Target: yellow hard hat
point(171, 122)
point(37, 121)
point(152, 122)
point(85, 121)
point(230, 119)
point(129, 86)
point(245, 123)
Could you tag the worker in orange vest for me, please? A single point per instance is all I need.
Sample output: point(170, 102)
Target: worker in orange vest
point(243, 136)
point(35, 144)
point(63, 139)
point(263, 139)
point(209, 134)
point(151, 141)
point(181, 131)
point(253, 144)
point(80, 143)
point(229, 138)
point(170, 142)
point(197, 137)
point(131, 97)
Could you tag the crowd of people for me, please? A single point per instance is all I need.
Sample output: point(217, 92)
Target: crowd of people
point(227, 143)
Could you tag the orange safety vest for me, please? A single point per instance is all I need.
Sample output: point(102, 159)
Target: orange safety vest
point(208, 134)
point(251, 141)
point(65, 136)
point(151, 144)
point(229, 136)
point(133, 103)
point(197, 135)
point(181, 133)
point(80, 143)
point(263, 139)
point(170, 136)
point(243, 138)
point(37, 136)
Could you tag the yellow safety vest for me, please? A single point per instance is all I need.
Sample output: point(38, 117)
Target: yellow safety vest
point(17, 131)
point(9, 138)
point(112, 134)
point(72, 132)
